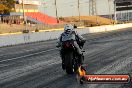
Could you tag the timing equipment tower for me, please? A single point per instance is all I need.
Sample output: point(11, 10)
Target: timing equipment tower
point(92, 7)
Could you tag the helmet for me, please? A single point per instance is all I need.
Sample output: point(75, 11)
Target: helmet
point(68, 28)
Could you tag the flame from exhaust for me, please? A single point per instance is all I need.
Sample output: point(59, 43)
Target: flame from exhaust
point(81, 71)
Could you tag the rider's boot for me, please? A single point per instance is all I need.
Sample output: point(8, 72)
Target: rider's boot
point(80, 59)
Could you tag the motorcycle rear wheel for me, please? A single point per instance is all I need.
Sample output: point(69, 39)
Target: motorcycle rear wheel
point(68, 63)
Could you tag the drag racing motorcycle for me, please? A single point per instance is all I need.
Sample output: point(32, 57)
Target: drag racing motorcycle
point(71, 59)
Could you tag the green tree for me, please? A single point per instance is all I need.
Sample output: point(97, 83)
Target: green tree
point(7, 6)
point(2, 7)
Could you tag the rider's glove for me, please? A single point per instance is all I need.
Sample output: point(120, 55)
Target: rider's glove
point(58, 46)
point(83, 41)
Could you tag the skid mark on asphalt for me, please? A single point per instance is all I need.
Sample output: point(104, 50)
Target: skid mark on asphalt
point(23, 71)
point(23, 51)
point(26, 62)
point(121, 57)
point(46, 75)
point(29, 55)
point(122, 61)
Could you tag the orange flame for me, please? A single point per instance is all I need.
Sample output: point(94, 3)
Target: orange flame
point(81, 71)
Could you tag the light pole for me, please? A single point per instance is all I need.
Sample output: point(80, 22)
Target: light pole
point(115, 18)
point(56, 12)
point(127, 14)
point(24, 17)
point(79, 9)
point(110, 15)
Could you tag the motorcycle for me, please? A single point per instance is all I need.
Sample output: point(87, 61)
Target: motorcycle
point(71, 59)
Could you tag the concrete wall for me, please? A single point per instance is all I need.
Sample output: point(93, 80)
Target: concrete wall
point(6, 40)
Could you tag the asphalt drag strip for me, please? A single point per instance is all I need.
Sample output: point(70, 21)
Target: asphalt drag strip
point(38, 65)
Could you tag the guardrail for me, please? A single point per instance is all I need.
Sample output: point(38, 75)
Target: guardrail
point(14, 39)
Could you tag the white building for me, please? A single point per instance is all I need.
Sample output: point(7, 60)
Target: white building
point(124, 14)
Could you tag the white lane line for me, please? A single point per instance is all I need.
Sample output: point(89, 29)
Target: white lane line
point(28, 55)
point(23, 50)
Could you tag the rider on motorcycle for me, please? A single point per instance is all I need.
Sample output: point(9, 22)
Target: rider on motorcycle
point(70, 34)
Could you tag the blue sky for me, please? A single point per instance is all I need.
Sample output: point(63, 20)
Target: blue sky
point(69, 7)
